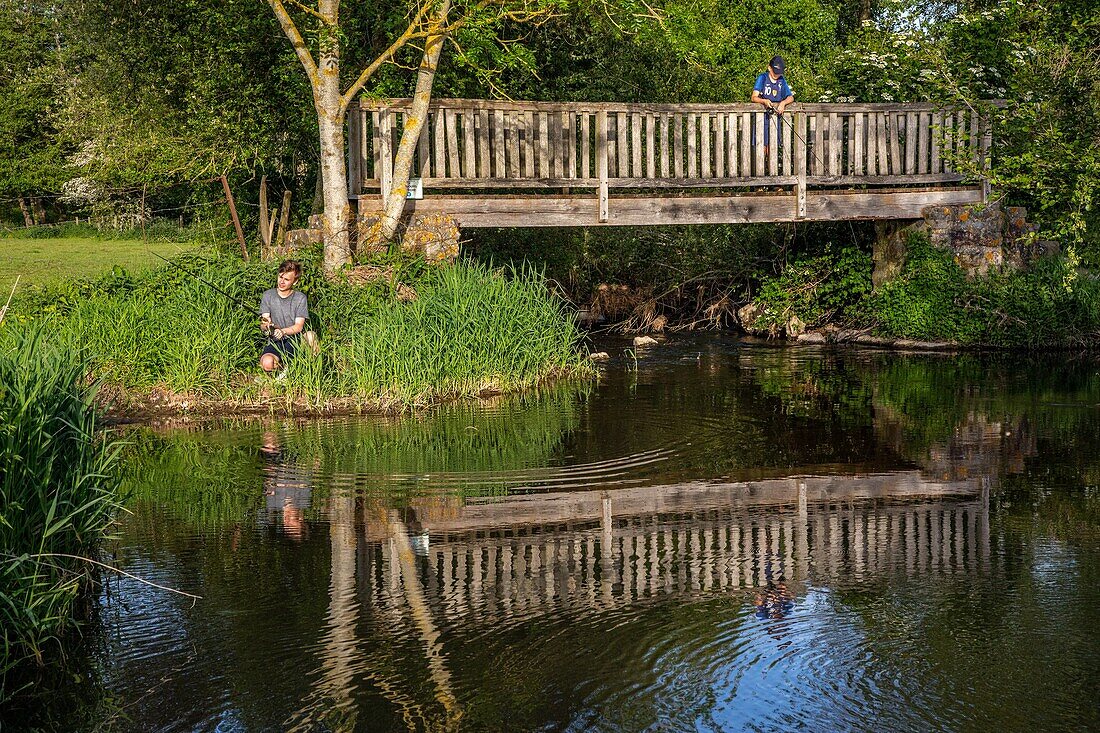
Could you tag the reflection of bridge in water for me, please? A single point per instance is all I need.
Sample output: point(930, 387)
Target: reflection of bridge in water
point(505, 559)
point(489, 558)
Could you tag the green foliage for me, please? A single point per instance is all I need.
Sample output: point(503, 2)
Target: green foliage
point(470, 329)
point(57, 494)
point(933, 300)
point(31, 89)
point(817, 289)
point(1038, 57)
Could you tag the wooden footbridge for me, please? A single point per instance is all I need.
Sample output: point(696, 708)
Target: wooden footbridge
point(509, 164)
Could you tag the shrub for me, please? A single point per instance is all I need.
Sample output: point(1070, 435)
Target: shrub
point(1052, 304)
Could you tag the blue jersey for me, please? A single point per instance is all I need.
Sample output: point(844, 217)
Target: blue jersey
point(776, 91)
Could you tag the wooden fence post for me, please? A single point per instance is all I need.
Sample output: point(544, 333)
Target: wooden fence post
point(236, 219)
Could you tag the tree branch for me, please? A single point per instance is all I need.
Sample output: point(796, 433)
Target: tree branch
point(306, 9)
point(296, 40)
point(410, 32)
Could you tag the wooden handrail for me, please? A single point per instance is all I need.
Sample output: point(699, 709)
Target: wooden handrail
point(486, 144)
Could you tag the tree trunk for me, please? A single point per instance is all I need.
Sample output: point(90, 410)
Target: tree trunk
point(337, 213)
point(28, 220)
point(865, 11)
point(414, 124)
point(39, 210)
point(330, 121)
point(318, 204)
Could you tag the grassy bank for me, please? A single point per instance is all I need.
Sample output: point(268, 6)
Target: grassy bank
point(57, 499)
point(407, 336)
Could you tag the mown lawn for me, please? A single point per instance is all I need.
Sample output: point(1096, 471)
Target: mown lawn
point(43, 261)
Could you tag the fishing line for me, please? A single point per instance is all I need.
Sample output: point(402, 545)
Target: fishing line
point(207, 283)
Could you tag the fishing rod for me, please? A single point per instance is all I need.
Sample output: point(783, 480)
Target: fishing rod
point(207, 283)
point(794, 129)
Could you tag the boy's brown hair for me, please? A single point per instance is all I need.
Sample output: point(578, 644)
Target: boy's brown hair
point(291, 266)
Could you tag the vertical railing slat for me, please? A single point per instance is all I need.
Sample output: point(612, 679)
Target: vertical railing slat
point(772, 121)
point(705, 167)
point(376, 146)
point(543, 168)
point(666, 121)
point(817, 153)
point(678, 145)
point(872, 144)
point(483, 144)
point(894, 139)
point(515, 170)
point(744, 134)
point(622, 146)
point(453, 159)
point(602, 164)
point(857, 152)
point(800, 153)
point(439, 166)
point(586, 153)
point(636, 145)
point(569, 119)
point(936, 140)
point(758, 127)
point(836, 131)
point(355, 176)
point(650, 146)
point(469, 166)
point(386, 153)
point(692, 145)
point(424, 148)
point(498, 144)
point(720, 145)
point(912, 143)
point(787, 123)
point(529, 144)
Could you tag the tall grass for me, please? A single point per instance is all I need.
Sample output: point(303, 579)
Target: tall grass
point(57, 494)
point(471, 330)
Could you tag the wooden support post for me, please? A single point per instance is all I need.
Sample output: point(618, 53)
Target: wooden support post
point(601, 162)
point(265, 227)
point(284, 220)
point(236, 219)
point(800, 153)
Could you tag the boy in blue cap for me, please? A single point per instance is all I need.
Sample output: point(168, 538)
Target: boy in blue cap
point(771, 91)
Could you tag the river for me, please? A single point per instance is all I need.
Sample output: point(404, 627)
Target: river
point(718, 535)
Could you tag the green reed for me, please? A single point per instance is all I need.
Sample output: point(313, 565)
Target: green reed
point(57, 495)
point(471, 330)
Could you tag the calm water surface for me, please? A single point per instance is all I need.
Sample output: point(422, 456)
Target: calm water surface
point(730, 537)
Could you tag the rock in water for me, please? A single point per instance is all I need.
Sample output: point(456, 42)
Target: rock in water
point(599, 356)
point(640, 341)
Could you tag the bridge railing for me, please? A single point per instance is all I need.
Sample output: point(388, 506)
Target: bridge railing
point(481, 144)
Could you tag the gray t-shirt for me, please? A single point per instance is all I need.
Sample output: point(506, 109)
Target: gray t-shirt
point(284, 310)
